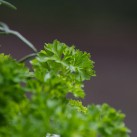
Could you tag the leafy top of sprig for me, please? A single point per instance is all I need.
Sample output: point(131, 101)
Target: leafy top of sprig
point(107, 121)
point(71, 66)
point(11, 72)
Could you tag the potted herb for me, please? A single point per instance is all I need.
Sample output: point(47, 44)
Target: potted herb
point(57, 70)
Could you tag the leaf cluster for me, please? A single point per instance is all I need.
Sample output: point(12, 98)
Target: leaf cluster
point(64, 66)
point(56, 71)
point(12, 75)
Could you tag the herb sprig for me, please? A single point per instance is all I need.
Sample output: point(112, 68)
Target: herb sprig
point(57, 70)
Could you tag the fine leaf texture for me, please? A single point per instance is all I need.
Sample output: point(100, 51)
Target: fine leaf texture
point(65, 64)
point(34, 103)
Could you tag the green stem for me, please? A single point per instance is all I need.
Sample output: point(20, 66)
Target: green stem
point(3, 2)
point(6, 30)
point(27, 57)
point(17, 34)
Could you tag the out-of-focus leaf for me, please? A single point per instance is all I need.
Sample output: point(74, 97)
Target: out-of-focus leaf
point(3, 2)
point(58, 69)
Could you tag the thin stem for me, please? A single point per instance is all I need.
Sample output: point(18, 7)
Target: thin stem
point(7, 4)
point(6, 30)
point(27, 57)
point(23, 39)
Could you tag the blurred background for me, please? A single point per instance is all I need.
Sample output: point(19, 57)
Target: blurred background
point(106, 29)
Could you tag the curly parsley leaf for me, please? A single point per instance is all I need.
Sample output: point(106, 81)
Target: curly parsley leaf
point(58, 69)
point(65, 64)
point(12, 75)
point(107, 121)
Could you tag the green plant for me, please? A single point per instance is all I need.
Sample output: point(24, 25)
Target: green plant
point(57, 70)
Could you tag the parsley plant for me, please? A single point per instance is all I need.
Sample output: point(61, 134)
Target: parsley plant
point(57, 70)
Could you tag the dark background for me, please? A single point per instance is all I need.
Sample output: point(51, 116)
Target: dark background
point(106, 29)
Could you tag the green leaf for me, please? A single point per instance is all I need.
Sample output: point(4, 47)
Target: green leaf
point(109, 121)
point(11, 72)
point(66, 64)
point(12, 76)
point(57, 70)
point(78, 105)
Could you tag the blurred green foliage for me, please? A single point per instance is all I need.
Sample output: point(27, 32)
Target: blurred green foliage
point(57, 70)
